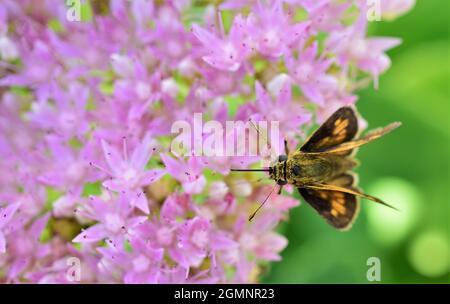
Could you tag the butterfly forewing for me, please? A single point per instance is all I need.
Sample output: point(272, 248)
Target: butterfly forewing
point(350, 145)
point(341, 127)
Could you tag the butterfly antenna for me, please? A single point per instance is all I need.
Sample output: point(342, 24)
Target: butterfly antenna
point(260, 134)
point(261, 205)
point(252, 170)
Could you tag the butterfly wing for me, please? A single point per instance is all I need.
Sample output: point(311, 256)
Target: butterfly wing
point(338, 208)
point(344, 180)
point(340, 127)
point(353, 144)
point(349, 190)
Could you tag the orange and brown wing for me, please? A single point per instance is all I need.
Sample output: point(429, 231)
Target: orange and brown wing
point(350, 190)
point(338, 208)
point(339, 128)
point(350, 145)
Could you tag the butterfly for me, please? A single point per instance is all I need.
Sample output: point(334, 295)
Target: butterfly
point(322, 168)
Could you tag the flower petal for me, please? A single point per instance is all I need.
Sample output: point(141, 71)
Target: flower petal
point(143, 152)
point(92, 234)
point(174, 167)
point(206, 38)
point(151, 176)
point(2, 243)
point(7, 213)
point(113, 158)
point(140, 201)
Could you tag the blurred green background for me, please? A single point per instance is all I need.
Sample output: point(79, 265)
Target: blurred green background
point(408, 168)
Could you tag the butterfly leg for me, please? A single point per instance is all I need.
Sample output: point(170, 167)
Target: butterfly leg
point(286, 148)
point(279, 190)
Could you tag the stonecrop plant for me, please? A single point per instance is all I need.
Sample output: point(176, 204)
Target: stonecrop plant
point(90, 191)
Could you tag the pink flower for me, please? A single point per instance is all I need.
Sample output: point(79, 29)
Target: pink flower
point(280, 108)
point(141, 265)
point(145, 263)
point(68, 117)
point(309, 71)
point(134, 83)
point(114, 218)
point(228, 53)
point(68, 169)
point(271, 31)
point(24, 246)
point(188, 172)
point(196, 240)
point(6, 214)
point(260, 240)
point(176, 206)
point(35, 74)
point(324, 14)
point(170, 42)
point(352, 46)
point(390, 9)
point(130, 173)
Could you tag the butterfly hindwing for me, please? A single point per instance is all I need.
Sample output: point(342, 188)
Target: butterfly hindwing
point(338, 208)
point(340, 127)
point(343, 180)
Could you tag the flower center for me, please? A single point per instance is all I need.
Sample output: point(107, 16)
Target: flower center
point(164, 236)
point(271, 39)
point(143, 90)
point(358, 48)
point(200, 238)
point(67, 121)
point(248, 241)
point(304, 72)
point(113, 222)
point(130, 174)
point(75, 171)
point(141, 263)
point(230, 52)
point(174, 48)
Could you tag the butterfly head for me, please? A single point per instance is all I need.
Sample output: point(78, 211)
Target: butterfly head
point(278, 171)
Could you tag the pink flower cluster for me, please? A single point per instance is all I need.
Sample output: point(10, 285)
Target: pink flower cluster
point(86, 109)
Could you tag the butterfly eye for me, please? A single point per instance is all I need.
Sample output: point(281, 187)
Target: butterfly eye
point(281, 182)
point(296, 170)
point(282, 158)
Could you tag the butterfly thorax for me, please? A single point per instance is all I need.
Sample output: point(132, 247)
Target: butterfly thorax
point(303, 169)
